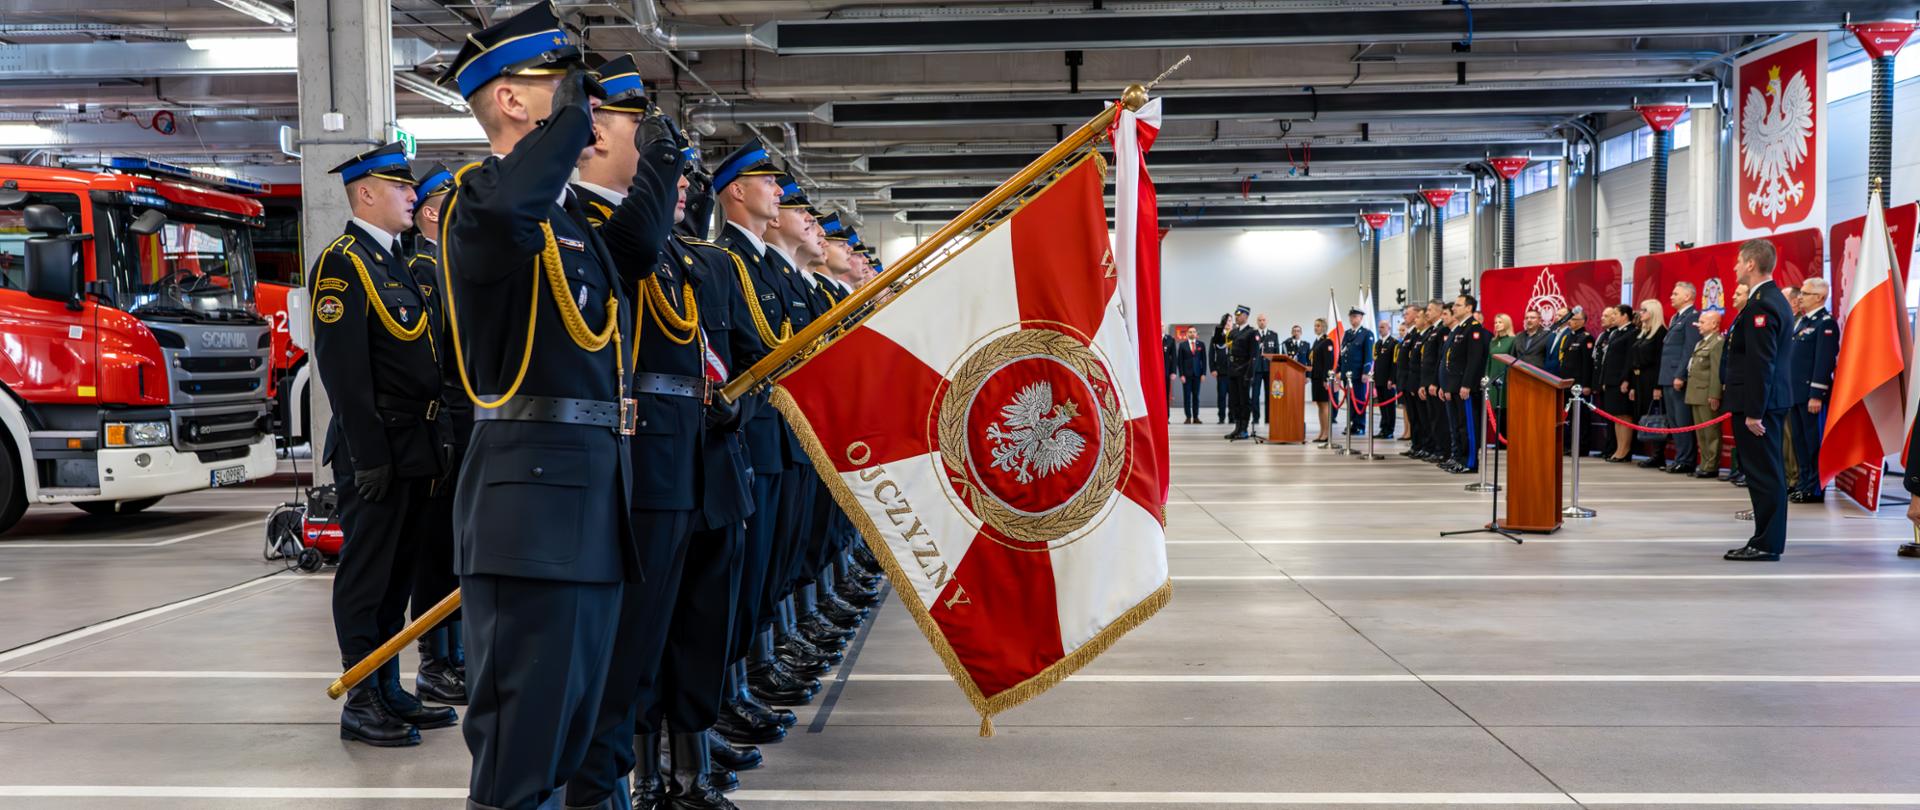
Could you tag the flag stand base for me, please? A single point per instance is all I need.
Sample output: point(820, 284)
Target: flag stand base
point(1909, 550)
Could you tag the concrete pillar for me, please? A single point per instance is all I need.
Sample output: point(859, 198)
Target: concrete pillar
point(1582, 206)
point(346, 107)
point(1486, 234)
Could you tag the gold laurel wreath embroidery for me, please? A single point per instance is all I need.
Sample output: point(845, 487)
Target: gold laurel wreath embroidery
point(1059, 522)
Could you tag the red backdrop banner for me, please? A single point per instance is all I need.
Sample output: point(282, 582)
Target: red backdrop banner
point(1514, 290)
point(1710, 268)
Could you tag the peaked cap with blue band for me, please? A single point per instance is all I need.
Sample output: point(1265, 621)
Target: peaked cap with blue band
point(435, 179)
point(529, 43)
point(834, 228)
point(387, 162)
point(750, 159)
point(625, 91)
point(792, 195)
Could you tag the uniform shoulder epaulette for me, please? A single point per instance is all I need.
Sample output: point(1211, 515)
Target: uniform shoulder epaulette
point(463, 170)
point(695, 241)
point(345, 242)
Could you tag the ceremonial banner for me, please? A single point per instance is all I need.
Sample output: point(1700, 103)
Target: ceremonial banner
point(1710, 268)
point(1780, 149)
point(1545, 288)
point(1866, 409)
point(1844, 242)
point(988, 433)
point(1136, 252)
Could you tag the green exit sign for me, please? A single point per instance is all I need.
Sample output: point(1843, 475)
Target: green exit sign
point(407, 142)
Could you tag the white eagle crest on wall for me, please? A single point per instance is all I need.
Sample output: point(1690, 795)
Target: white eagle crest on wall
point(1035, 441)
point(1777, 138)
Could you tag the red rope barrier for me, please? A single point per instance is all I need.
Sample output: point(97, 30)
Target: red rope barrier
point(1665, 431)
point(1493, 423)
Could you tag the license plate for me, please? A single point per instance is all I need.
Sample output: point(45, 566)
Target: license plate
point(228, 476)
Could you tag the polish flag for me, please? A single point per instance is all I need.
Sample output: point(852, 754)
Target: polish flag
point(1868, 403)
point(1336, 332)
point(988, 433)
point(1136, 253)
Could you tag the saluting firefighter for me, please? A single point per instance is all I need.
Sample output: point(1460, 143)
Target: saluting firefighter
point(442, 676)
point(673, 397)
point(544, 541)
point(748, 187)
point(374, 349)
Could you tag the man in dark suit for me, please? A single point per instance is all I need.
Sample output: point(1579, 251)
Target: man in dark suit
point(1573, 359)
point(1437, 447)
point(1531, 345)
point(1683, 334)
point(1262, 371)
point(1190, 362)
point(1296, 346)
point(545, 544)
point(374, 352)
point(1386, 359)
point(1816, 348)
point(1243, 346)
point(1407, 367)
point(1758, 392)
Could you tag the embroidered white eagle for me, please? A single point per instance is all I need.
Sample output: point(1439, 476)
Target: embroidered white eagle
point(1035, 441)
point(1777, 138)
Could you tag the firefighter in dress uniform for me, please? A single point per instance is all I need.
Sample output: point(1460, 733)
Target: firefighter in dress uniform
point(542, 321)
point(375, 352)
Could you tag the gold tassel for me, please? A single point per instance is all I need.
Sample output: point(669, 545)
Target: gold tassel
point(986, 726)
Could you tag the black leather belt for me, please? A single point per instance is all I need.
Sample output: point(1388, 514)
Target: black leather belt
point(670, 385)
point(427, 409)
point(615, 416)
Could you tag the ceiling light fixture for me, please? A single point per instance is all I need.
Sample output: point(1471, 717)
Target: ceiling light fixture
point(425, 88)
point(263, 11)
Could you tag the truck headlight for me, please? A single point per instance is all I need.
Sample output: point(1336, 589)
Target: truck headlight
point(138, 434)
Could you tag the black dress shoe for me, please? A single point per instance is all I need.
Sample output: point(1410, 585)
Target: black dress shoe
point(366, 719)
point(691, 785)
point(1738, 479)
point(732, 757)
point(817, 629)
point(1652, 462)
point(437, 680)
point(722, 778)
point(1461, 469)
point(735, 725)
point(777, 687)
point(752, 707)
point(1681, 469)
point(649, 789)
point(409, 708)
point(1802, 496)
point(1617, 459)
point(1706, 472)
point(1750, 554)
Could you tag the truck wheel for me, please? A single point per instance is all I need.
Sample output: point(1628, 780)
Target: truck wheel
point(13, 486)
point(104, 508)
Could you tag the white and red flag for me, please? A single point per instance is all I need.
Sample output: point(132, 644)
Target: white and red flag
point(1336, 332)
point(1136, 253)
point(988, 433)
point(1868, 402)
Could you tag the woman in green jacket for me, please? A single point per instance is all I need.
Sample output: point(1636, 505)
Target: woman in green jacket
point(1497, 371)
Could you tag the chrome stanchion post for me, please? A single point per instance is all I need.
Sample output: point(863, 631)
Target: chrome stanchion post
point(1578, 417)
point(1346, 427)
point(1483, 485)
point(1373, 406)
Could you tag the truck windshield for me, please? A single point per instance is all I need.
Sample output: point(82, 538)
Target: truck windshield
point(189, 269)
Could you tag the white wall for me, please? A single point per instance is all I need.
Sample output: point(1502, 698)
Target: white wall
point(1847, 151)
point(1457, 253)
point(1283, 273)
point(1539, 227)
point(1624, 194)
point(1393, 268)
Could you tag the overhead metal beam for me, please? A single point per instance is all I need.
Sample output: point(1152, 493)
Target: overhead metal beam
point(1293, 105)
point(1259, 224)
point(1331, 23)
point(1251, 189)
point(1442, 152)
point(143, 60)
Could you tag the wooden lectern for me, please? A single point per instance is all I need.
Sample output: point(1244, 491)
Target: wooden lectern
point(1535, 400)
point(1286, 400)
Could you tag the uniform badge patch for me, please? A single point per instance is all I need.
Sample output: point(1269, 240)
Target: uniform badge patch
point(581, 300)
point(1759, 320)
point(329, 309)
point(426, 290)
point(570, 244)
point(327, 284)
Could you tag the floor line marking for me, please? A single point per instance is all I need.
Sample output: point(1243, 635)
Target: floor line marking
point(1008, 796)
point(1561, 541)
point(845, 669)
point(155, 544)
point(1525, 577)
point(131, 618)
point(1083, 678)
point(1469, 499)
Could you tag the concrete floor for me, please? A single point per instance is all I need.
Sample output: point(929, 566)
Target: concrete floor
point(1324, 648)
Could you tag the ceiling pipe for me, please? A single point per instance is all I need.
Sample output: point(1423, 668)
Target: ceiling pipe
point(705, 117)
point(689, 37)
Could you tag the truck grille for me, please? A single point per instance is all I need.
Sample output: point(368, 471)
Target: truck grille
point(215, 456)
point(217, 430)
point(218, 365)
point(219, 385)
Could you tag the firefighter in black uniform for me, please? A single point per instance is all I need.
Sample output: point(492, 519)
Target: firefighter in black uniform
point(442, 674)
point(1386, 360)
point(1466, 368)
point(1574, 358)
point(544, 541)
point(1407, 376)
point(1437, 443)
point(1816, 350)
point(374, 349)
point(685, 585)
point(1758, 392)
point(748, 187)
point(1243, 347)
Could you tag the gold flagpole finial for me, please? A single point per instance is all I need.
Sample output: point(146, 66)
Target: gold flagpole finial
point(1134, 97)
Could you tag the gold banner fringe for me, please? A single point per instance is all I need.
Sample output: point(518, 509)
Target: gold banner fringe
point(986, 706)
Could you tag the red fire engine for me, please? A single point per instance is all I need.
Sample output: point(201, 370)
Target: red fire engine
point(133, 358)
